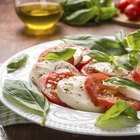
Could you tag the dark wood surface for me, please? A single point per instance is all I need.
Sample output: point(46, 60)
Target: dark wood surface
point(13, 40)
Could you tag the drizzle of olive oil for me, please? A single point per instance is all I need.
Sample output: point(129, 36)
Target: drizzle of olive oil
point(39, 16)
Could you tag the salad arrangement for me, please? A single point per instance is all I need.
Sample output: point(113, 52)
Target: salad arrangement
point(87, 73)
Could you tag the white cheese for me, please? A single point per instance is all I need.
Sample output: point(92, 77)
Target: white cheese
point(107, 68)
point(72, 92)
point(41, 68)
point(130, 92)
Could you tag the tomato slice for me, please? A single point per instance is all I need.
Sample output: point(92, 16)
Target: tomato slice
point(87, 69)
point(60, 47)
point(136, 75)
point(106, 96)
point(108, 100)
point(48, 84)
point(85, 60)
point(53, 49)
point(93, 85)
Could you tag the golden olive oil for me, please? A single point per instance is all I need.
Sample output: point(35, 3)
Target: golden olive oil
point(39, 16)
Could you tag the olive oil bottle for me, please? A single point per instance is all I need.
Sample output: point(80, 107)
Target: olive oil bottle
point(39, 15)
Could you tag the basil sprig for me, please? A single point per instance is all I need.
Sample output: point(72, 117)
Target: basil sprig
point(78, 17)
point(27, 97)
point(121, 81)
point(120, 115)
point(60, 55)
point(80, 12)
point(17, 63)
point(133, 40)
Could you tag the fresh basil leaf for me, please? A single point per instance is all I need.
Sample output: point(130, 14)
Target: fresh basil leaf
point(107, 3)
point(82, 16)
point(121, 82)
point(134, 58)
point(120, 115)
point(96, 3)
point(61, 55)
point(81, 38)
point(129, 61)
point(133, 40)
point(26, 96)
point(17, 63)
point(123, 62)
point(99, 56)
point(106, 13)
point(78, 12)
point(109, 46)
point(121, 38)
point(106, 45)
point(71, 6)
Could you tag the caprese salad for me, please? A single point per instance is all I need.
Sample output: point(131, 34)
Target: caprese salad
point(85, 72)
point(74, 76)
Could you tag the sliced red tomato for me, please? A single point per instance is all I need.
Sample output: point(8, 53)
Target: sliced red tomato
point(136, 75)
point(48, 84)
point(108, 100)
point(87, 69)
point(93, 85)
point(71, 60)
point(85, 60)
point(106, 96)
point(60, 47)
point(52, 49)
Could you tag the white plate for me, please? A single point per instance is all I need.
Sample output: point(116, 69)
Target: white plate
point(59, 118)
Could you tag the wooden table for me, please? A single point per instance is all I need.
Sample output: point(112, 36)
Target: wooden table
point(13, 40)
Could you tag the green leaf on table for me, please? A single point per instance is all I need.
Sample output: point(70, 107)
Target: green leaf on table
point(27, 97)
point(121, 82)
point(79, 12)
point(120, 115)
point(82, 16)
point(96, 3)
point(106, 3)
point(17, 63)
point(106, 13)
point(71, 6)
point(60, 55)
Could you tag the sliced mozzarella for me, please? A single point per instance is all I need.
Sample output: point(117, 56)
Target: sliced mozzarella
point(72, 92)
point(130, 92)
point(77, 56)
point(107, 68)
point(86, 58)
point(44, 67)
